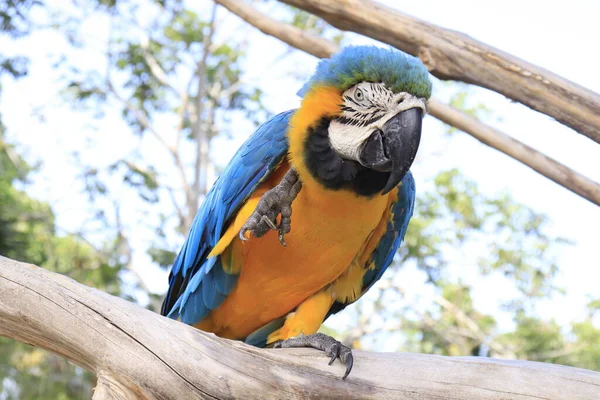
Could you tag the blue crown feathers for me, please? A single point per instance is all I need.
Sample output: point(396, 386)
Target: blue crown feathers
point(399, 71)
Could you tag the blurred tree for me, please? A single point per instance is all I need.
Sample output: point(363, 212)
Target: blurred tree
point(28, 233)
point(170, 66)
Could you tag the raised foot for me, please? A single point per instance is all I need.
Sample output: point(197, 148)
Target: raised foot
point(320, 341)
point(274, 202)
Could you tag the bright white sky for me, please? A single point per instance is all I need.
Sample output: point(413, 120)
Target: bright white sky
point(560, 38)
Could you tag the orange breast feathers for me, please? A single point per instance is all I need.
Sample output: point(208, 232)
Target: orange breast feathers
point(329, 231)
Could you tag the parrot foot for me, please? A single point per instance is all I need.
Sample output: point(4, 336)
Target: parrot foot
point(320, 341)
point(274, 202)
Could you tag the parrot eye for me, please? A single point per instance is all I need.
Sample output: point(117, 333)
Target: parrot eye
point(359, 95)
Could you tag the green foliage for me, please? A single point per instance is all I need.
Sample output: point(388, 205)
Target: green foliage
point(142, 179)
point(14, 18)
point(455, 212)
point(577, 345)
point(162, 257)
point(32, 373)
point(28, 233)
point(461, 99)
point(186, 28)
point(534, 338)
point(14, 22)
point(585, 349)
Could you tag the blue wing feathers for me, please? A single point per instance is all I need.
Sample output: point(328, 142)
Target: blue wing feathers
point(198, 284)
point(259, 337)
point(402, 212)
point(224, 281)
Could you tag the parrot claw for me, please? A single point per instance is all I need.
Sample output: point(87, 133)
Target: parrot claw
point(320, 341)
point(281, 240)
point(269, 223)
point(275, 202)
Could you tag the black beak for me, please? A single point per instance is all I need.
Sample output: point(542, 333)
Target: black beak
point(393, 148)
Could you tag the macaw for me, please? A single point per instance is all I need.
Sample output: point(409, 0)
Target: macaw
point(341, 162)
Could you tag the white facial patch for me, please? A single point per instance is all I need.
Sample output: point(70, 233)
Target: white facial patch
point(347, 139)
point(367, 107)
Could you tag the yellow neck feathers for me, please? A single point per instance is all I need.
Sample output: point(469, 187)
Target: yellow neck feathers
point(319, 102)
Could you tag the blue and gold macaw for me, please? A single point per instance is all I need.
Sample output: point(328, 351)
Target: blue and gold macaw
point(341, 162)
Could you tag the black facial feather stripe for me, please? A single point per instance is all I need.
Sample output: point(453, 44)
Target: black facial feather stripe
point(348, 98)
point(335, 173)
point(357, 121)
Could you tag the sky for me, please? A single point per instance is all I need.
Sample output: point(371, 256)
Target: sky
point(561, 39)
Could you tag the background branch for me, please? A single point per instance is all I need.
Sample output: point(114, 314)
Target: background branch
point(139, 354)
point(201, 133)
point(539, 162)
point(455, 56)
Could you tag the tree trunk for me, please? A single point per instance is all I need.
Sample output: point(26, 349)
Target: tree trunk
point(138, 354)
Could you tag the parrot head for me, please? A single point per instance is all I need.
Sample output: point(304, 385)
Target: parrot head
point(366, 105)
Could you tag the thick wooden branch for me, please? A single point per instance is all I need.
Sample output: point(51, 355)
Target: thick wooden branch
point(492, 137)
point(452, 55)
point(138, 354)
point(547, 166)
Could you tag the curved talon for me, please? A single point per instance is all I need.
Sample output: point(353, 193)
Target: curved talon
point(333, 356)
point(272, 204)
point(329, 345)
point(281, 238)
point(268, 221)
point(349, 363)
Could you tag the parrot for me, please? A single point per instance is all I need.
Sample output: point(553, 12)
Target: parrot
point(341, 161)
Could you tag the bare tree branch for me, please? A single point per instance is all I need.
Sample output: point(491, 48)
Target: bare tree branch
point(201, 135)
point(180, 215)
point(181, 116)
point(539, 162)
point(138, 354)
point(155, 67)
point(472, 327)
point(492, 137)
point(455, 56)
point(289, 34)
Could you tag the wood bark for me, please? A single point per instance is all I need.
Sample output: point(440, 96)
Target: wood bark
point(138, 354)
point(453, 55)
point(320, 47)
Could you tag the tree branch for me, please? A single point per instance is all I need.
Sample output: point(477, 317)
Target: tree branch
point(289, 34)
point(539, 162)
point(155, 67)
point(201, 135)
point(138, 354)
point(320, 47)
point(455, 56)
point(473, 329)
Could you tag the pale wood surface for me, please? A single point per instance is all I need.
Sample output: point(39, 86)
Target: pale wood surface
point(453, 55)
point(138, 354)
